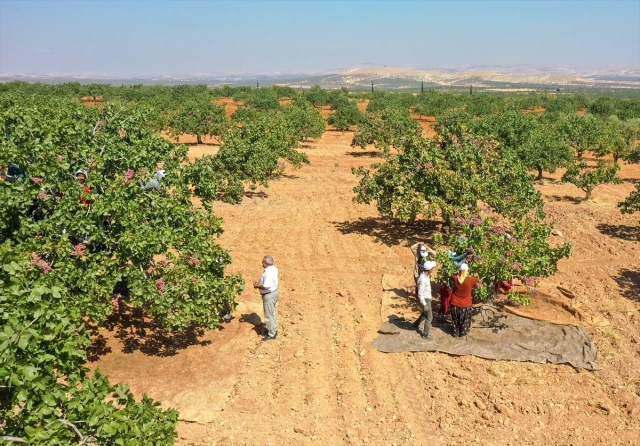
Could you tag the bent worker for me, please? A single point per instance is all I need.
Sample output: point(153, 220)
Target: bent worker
point(461, 301)
point(423, 324)
point(154, 183)
point(420, 253)
point(268, 288)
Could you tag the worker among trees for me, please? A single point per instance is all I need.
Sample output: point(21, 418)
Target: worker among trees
point(423, 324)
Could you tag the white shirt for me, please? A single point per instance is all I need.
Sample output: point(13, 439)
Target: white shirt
point(424, 289)
point(269, 279)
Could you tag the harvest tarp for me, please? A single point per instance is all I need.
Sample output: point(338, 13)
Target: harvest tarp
point(496, 334)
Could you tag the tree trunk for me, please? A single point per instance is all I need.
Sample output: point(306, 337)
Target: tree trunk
point(199, 139)
point(616, 156)
point(588, 194)
point(539, 174)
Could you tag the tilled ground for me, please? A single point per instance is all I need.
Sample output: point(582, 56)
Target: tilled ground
point(320, 382)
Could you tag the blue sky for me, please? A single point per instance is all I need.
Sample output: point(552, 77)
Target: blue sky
point(167, 37)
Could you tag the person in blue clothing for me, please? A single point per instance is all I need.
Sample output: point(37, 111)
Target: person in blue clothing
point(459, 259)
point(14, 173)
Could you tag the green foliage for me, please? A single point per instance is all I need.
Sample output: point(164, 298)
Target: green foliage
point(632, 203)
point(535, 141)
point(603, 106)
point(484, 104)
point(47, 395)
point(435, 104)
point(317, 96)
point(613, 140)
point(471, 185)
point(64, 249)
point(250, 153)
point(305, 119)
point(283, 91)
point(345, 116)
point(386, 128)
point(431, 179)
point(516, 249)
point(262, 99)
point(200, 119)
point(545, 150)
point(582, 132)
point(587, 178)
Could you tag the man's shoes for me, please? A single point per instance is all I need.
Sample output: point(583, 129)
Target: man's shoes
point(425, 336)
point(269, 338)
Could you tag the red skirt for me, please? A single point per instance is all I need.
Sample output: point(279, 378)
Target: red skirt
point(445, 298)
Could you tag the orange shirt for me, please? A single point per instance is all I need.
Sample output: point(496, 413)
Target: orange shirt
point(461, 296)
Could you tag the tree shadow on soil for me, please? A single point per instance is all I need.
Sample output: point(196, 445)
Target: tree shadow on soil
point(251, 194)
point(138, 332)
point(624, 232)
point(388, 231)
point(368, 154)
point(631, 180)
point(569, 198)
point(629, 282)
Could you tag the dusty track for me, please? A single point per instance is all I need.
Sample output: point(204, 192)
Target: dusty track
point(320, 381)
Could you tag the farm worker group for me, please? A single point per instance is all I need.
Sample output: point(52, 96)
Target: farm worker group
point(458, 298)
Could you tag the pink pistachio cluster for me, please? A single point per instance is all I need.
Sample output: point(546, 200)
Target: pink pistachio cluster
point(115, 302)
point(160, 285)
point(194, 260)
point(43, 196)
point(78, 250)
point(473, 220)
point(129, 175)
point(42, 264)
point(59, 158)
point(100, 123)
point(529, 281)
point(37, 180)
point(516, 266)
point(499, 230)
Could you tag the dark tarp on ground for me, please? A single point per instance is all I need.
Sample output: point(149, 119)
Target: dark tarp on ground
point(496, 334)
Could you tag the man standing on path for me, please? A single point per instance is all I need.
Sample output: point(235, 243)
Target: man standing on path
point(268, 287)
point(423, 324)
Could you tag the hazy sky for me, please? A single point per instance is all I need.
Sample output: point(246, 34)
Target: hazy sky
point(167, 37)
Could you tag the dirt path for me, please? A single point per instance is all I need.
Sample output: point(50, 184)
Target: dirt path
point(320, 381)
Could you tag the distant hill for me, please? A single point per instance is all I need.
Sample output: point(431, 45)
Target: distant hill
point(391, 78)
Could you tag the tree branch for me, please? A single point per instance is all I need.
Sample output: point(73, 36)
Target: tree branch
point(14, 439)
point(73, 426)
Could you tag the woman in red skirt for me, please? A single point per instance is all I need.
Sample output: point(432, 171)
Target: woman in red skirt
point(461, 301)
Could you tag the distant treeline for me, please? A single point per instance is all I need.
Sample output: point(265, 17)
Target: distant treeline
point(624, 105)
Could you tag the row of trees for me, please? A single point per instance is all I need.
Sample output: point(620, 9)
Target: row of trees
point(474, 177)
point(73, 253)
point(430, 103)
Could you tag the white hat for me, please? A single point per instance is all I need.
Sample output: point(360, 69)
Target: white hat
point(429, 265)
point(464, 267)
